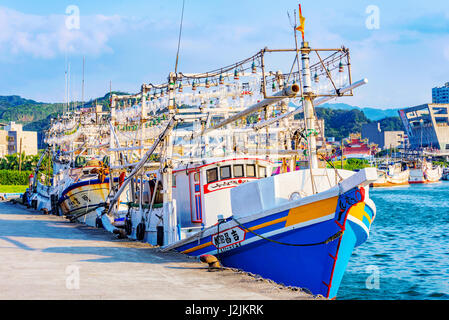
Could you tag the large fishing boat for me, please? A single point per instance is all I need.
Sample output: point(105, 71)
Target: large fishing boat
point(88, 190)
point(298, 228)
point(289, 232)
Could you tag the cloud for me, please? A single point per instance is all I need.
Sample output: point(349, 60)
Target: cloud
point(48, 36)
point(446, 52)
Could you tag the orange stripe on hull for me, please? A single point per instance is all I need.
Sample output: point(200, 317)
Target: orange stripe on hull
point(389, 184)
point(312, 211)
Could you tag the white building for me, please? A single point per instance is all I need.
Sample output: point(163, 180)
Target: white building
point(13, 140)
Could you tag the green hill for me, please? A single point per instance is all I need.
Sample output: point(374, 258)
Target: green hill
point(339, 123)
point(36, 116)
point(11, 101)
point(15, 108)
point(371, 113)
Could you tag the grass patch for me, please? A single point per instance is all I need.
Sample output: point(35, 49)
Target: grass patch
point(12, 189)
point(351, 164)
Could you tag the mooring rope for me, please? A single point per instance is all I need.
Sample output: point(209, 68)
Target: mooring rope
point(328, 240)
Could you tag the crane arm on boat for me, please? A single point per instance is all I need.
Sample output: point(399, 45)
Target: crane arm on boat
point(142, 162)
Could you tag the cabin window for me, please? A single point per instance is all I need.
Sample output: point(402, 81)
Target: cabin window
point(174, 181)
point(262, 172)
point(250, 170)
point(212, 175)
point(196, 177)
point(225, 172)
point(238, 171)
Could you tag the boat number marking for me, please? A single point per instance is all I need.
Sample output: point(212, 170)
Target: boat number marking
point(228, 239)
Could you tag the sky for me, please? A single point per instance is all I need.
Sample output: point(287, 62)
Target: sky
point(401, 47)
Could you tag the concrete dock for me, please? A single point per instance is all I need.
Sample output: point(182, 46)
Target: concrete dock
point(47, 257)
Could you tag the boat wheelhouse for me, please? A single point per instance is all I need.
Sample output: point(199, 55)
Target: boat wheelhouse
point(209, 184)
point(201, 191)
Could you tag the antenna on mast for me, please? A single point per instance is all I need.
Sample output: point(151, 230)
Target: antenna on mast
point(179, 38)
point(82, 90)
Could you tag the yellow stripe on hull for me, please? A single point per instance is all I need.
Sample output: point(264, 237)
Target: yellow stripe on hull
point(312, 211)
point(358, 211)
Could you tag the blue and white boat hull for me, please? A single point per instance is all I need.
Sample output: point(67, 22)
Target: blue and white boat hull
point(305, 244)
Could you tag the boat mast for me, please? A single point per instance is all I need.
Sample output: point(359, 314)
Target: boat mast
point(166, 169)
point(309, 111)
point(82, 90)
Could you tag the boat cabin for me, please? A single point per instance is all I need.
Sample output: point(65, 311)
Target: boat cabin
point(202, 191)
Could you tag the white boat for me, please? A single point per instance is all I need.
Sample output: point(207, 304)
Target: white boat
point(395, 175)
point(425, 172)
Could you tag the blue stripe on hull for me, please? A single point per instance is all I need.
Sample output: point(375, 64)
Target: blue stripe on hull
point(347, 244)
point(249, 235)
point(85, 183)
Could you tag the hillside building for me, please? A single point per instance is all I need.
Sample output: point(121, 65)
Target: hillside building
point(13, 139)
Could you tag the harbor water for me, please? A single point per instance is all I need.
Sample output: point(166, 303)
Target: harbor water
point(407, 254)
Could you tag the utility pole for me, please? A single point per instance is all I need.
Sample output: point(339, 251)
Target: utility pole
point(20, 156)
point(341, 162)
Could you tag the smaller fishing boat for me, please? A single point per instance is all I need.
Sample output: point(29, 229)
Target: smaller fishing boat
point(425, 172)
point(397, 174)
point(88, 191)
point(445, 175)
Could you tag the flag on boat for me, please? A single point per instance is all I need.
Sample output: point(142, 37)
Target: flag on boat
point(301, 23)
